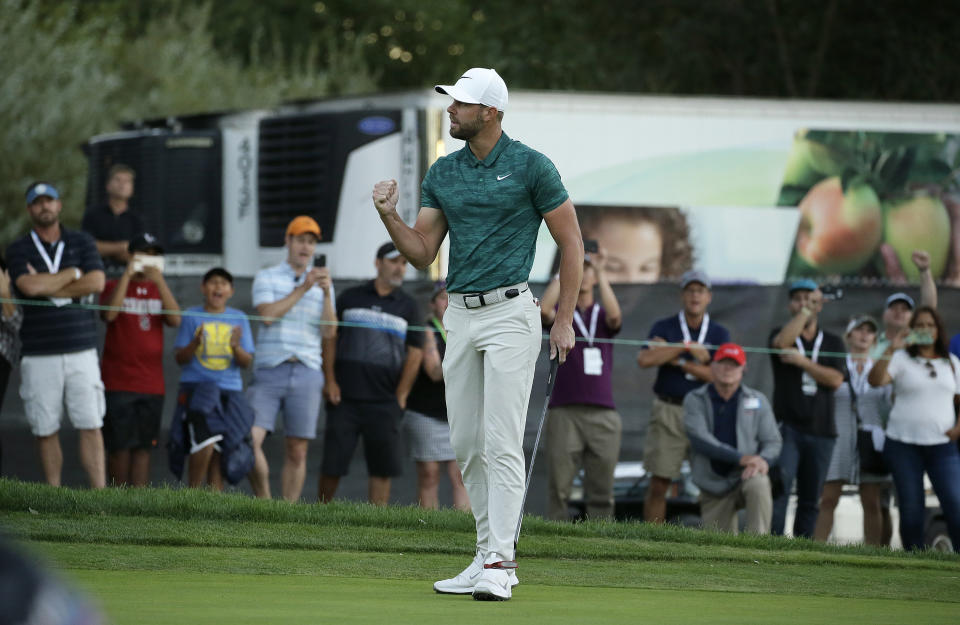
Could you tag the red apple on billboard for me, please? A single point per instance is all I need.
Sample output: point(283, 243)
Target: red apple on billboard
point(839, 231)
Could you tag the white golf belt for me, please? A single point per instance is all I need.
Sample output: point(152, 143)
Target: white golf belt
point(493, 296)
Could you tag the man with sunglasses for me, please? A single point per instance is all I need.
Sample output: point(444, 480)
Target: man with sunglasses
point(807, 369)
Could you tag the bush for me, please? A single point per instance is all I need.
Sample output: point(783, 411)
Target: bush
point(65, 77)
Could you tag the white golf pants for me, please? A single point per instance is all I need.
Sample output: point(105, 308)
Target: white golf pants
point(488, 371)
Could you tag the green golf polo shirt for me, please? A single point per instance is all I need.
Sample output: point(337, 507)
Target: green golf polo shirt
point(493, 208)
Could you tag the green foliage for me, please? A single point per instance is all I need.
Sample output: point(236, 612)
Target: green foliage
point(68, 72)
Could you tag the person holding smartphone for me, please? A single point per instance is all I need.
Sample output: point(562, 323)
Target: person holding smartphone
point(807, 370)
point(138, 305)
point(583, 425)
point(922, 433)
point(296, 302)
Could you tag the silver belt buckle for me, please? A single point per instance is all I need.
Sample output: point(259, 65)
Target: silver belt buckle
point(477, 300)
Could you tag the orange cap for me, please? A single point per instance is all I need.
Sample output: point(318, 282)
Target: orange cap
point(303, 224)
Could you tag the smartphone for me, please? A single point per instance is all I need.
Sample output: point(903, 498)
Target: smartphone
point(140, 261)
point(591, 246)
point(320, 260)
point(831, 292)
point(919, 337)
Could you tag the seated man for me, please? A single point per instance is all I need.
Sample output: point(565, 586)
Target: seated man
point(734, 439)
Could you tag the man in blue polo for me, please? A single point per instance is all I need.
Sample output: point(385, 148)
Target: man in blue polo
point(683, 364)
point(296, 301)
point(491, 196)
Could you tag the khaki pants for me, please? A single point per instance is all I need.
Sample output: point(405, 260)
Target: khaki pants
point(488, 371)
point(720, 513)
point(587, 436)
point(666, 444)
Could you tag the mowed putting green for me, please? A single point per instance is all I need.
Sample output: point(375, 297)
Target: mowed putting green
point(179, 556)
point(175, 598)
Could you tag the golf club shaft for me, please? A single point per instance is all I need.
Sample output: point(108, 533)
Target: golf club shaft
point(551, 378)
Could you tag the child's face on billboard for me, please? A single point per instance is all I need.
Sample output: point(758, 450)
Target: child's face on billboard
point(634, 249)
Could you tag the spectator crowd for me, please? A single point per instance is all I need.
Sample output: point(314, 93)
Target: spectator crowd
point(875, 406)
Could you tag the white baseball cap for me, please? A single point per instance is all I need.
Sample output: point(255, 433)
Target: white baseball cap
point(479, 85)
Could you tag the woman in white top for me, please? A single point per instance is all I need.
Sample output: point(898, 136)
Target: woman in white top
point(923, 427)
point(857, 407)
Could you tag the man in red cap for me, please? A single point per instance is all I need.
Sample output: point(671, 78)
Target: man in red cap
point(733, 439)
point(297, 300)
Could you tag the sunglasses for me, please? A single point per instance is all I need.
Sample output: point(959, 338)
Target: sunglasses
point(929, 365)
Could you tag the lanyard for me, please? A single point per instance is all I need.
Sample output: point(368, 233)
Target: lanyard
point(858, 380)
point(593, 323)
point(703, 328)
point(816, 346)
point(439, 326)
point(54, 265)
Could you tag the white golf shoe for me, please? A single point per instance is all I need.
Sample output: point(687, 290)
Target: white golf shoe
point(466, 581)
point(494, 584)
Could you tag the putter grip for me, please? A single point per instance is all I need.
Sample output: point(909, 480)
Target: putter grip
point(552, 376)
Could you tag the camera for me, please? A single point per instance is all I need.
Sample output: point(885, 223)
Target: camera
point(320, 260)
point(591, 246)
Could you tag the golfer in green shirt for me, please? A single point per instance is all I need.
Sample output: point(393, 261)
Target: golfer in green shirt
point(490, 196)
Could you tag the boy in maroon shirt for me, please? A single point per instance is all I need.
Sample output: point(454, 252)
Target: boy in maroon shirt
point(140, 303)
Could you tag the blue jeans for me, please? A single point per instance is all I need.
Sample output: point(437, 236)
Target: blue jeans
point(804, 458)
point(907, 464)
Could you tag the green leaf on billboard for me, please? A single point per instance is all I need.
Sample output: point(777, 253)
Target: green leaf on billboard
point(894, 140)
point(929, 170)
point(791, 195)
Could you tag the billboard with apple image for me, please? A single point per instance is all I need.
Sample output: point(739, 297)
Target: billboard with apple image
point(867, 200)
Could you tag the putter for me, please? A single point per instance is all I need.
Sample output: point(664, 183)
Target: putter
point(551, 378)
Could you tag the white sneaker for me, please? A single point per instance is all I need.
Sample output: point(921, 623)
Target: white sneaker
point(493, 585)
point(466, 581)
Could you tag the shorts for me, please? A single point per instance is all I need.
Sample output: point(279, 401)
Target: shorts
point(132, 421)
point(48, 382)
point(429, 438)
point(293, 387)
point(378, 423)
point(666, 445)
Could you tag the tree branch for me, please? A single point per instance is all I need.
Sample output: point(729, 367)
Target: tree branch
point(822, 46)
point(782, 51)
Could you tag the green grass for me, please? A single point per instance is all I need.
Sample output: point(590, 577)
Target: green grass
point(167, 555)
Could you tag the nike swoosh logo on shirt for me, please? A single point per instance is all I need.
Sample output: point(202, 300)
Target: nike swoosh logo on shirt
point(499, 178)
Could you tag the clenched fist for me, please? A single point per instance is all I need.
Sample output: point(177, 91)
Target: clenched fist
point(385, 196)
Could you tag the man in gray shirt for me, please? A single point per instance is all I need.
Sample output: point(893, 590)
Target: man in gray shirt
point(734, 439)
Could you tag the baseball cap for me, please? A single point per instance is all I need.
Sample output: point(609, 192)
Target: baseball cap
point(145, 242)
point(732, 351)
point(478, 86)
point(41, 188)
point(803, 284)
point(900, 297)
point(218, 272)
point(388, 250)
point(303, 224)
point(860, 320)
point(690, 277)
